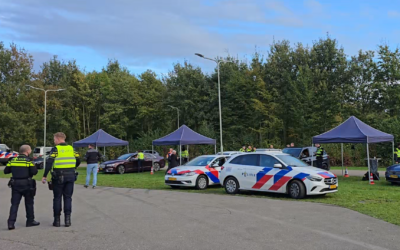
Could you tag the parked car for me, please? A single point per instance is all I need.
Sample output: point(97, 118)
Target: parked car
point(151, 152)
point(6, 154)
point(392, 174)
point(275, 172)
point(200, 172)
point(38, 162)
point(307, 154)
point(229, 153)
point(128, 163)
point(40, 151)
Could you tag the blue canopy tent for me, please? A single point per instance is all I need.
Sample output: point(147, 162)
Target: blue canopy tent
point(184, 136)
point(101, 139)
point(354, 131)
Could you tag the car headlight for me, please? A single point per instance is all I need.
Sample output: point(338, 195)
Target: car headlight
point(110, 165)
point(190, 174)
point(314, 178)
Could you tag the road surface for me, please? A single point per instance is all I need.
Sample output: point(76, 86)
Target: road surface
point(120, 218)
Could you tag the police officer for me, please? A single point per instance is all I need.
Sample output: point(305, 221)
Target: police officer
point(249, 149)
point(397, 154)
point(243, 149)
point(63, 161)
point(185, 155)
point(319, 154)
point(22, 185)
point(140, 157)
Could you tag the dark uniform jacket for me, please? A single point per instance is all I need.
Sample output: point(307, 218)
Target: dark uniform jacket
point(53, 155)
point(21, 172)
point(92, 156)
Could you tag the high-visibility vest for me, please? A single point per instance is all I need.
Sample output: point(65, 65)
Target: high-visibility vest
point(397, 152)
point(242, 150)
point(185, 154)
point(320, 152)
point(249, 150)
point(19, 162)
point(65, 157)
point(140, 156)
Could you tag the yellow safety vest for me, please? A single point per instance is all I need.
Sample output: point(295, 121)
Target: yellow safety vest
point(185, 154)
point(64, 157)
point(140, 156)
point(17, 162)
point(397, 152)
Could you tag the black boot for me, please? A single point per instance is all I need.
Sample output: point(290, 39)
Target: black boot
point(11, 226)
point(57, 222)
point(67, 220)
point(32, 223)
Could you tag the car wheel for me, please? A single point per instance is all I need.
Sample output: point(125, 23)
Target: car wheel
point(326, 167)
point(156, 167)
point(201, 182)
point(231, 186)
point(175, 187)
point(121, 169)
point(41, 166)
point(297, 190)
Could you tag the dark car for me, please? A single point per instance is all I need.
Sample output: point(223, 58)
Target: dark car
point(38, 162)
point(392, 174)
point(128, 163)
point(307, 154)
point(151, 152)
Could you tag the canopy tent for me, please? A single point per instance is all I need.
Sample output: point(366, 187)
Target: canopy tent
point(100, 138)
point(354, 131)
point(184, 136)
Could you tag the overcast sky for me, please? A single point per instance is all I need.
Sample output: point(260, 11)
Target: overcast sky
point(154, 34)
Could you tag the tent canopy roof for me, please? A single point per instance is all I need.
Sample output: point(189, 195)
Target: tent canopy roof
point(353, 131)
point(101, 139)
point(183, 136)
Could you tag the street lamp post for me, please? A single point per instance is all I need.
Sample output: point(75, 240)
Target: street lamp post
point(45, 109)
point(176, 110)
point(218, 61)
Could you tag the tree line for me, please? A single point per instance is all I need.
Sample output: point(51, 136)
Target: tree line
point(289, 94)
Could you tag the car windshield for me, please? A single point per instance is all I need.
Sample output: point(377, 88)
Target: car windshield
point(3, 148)
point(124, 157)
point(200, 161)
point(291, 161)
point(295, 152)
point(36, 151)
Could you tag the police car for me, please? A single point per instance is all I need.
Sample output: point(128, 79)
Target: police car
point(6, 154)
point(276, 172)
point(199, 172)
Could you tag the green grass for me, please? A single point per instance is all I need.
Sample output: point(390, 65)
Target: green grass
point(381, 200)
point(357, 168)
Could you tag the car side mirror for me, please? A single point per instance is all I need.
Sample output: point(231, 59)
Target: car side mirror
point(277, 165)
point(8, 150)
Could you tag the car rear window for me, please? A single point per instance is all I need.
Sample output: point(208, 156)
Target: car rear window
point(291, 161)
point(295, 152)
point(36, 151)
point(251, 160)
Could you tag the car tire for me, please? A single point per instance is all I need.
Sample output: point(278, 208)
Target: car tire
point(156, 166)
point(120, 169)
point(40, 166)
point(326, 167)
point(201, 182)
point(297, 190)
point(175, 187)
point(231, 185)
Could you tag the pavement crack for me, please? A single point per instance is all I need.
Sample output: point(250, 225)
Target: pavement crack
point(25, 243)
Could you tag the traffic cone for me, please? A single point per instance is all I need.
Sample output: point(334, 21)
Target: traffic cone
point(346, 173)
point(152, 172)
point(371, 179)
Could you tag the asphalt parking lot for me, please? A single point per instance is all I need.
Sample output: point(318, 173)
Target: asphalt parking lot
point(119, 218)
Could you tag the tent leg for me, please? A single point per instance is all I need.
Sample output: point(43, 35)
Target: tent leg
point(393, 152)
point(312, 156)
point(342, 160)
point(369, 167)
point(152, 159)
point(180, 154)
point(215, 150)
point(128, 148)
point(188, 153)
point(104, 150)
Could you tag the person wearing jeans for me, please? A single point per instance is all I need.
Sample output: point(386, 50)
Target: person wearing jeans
point(92, 158)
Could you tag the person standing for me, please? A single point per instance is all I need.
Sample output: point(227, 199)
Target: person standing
point(249, 149)
point(168, 156)
point(288, 145)
point(63, 161)
point(397, 154)
point(22, 185)
point(140, 159)
point(243, 149)
point(254, 149)
point(184, 155)
point(92, 158)
point(271, 146)
point(174, 161)
point(319, 154)
point(292, 145)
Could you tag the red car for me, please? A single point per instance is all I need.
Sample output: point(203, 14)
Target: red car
point(128, 163)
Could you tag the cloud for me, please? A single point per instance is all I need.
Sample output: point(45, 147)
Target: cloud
point(393, 14)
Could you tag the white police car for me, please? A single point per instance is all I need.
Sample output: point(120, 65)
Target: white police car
point(199, 172)
point(275, 172)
